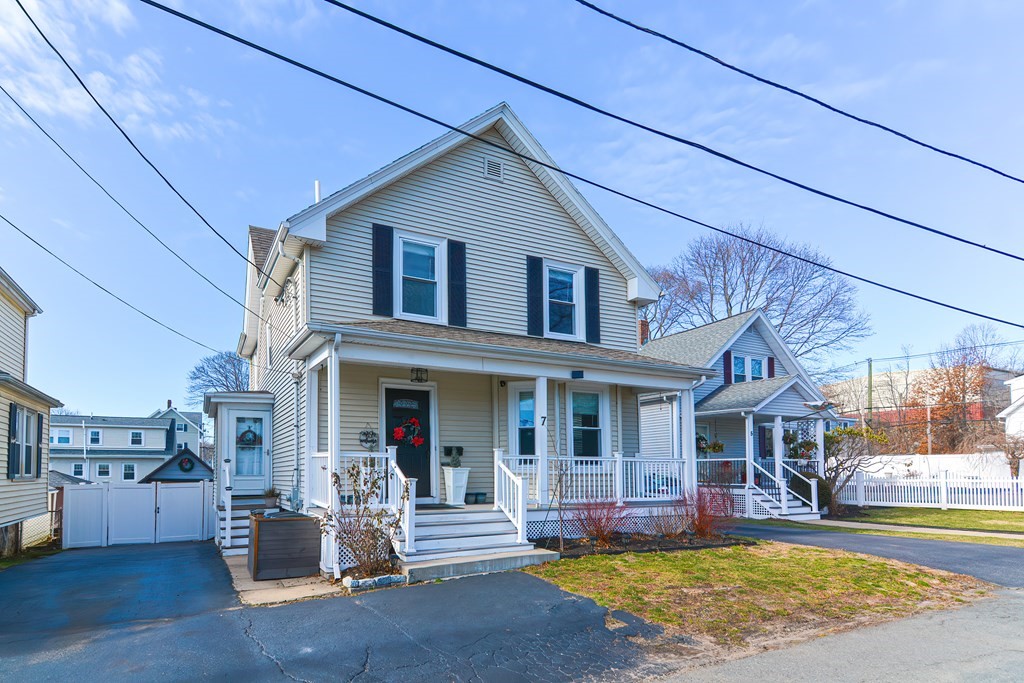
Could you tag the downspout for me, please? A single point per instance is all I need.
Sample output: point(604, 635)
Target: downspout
point(296, 497)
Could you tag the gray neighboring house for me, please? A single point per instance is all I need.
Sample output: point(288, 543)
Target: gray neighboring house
point(188, 426)
point(110, 449)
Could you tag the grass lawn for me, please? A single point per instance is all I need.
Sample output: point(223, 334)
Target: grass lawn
point(30, 554)
point(974, 520)
point(937, 536)
point(743, 594)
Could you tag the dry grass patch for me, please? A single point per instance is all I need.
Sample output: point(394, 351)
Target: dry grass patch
point(971, 520)
point(740, 595)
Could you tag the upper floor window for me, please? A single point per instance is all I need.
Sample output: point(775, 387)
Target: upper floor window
point(564, 305)
point(136, 439)
point(60, 437)
point(181, 427)
point(95, 437)
point(747, 368)
point(78, 469)
point(420, 278)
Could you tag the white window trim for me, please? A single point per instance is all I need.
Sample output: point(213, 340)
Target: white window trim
point(180, 427)
point(103, 476)
point(440, 244)
point(141, 433)
point(606, 422)
point(78, 464)
point(55, 436)
point(26, 439)
point(578, 301)
point(514, 389)
point(135, 471)
point(181, 446)
point(746, 367)
point(88, 436)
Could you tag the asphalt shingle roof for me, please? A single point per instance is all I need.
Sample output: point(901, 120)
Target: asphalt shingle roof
point(262, 242)
point(55, 479)
point(109, 421)
point(699, 346)
point(742, 396)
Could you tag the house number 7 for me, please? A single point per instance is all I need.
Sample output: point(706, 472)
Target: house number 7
point(543, 420)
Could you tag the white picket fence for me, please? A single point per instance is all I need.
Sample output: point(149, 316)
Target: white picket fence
point(943, 492)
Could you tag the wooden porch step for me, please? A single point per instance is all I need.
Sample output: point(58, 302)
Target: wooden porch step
point(426, 556)
point(467, 565)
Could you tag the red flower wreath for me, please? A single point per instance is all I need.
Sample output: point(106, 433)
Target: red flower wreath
point(408, 432)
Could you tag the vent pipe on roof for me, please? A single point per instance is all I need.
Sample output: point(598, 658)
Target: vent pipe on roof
point(168, 404)
point(316, 191)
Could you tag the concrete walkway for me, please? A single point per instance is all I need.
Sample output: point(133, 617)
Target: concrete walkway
point(981, 642)
point(913, 529)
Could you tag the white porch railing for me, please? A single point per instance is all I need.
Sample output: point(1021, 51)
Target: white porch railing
point(225, 500)
point(773, 488)
point(722, 471)
point(646, 479)
point(812, 485)
point(319, 480)
point(370, 464)
point(510, 495)
point(406, 505)
point(944, 492)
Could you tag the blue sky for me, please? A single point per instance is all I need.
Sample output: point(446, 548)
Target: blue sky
point(244, 137)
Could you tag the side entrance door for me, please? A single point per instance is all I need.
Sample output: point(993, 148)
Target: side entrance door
point(408, 425)
point(249, 446)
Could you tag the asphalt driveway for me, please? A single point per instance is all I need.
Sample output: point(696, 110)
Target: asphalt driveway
point(1001, 565)
point(168, 612)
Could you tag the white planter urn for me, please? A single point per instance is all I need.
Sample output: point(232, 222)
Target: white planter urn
point(455, 481)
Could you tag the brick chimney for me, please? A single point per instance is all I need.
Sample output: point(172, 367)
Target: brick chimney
point(644, 329)
point(168, 403)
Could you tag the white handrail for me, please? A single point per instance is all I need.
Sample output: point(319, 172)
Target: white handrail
point(783, 500)
point(813, 502)
point(226, 501)
point(510, 495)
point(400, 484)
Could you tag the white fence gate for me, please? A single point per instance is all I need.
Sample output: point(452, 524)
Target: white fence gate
point(115, 514)
point(943, 492)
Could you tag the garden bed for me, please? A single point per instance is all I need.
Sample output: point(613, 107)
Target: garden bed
point(633, 543)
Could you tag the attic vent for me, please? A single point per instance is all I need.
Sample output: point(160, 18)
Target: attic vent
point(493, 168)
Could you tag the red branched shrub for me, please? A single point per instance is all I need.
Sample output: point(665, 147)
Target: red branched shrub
point(599, 519)
point(709, 510)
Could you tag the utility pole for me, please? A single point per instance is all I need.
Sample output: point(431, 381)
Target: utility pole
point(928, 416)
point(871, 389)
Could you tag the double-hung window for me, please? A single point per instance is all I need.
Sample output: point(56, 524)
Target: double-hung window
point(420, 278)
point(60, 437)
point(747, 368)
point(181, 427)
point(137, 439)
point(127, 471)
point(23, 443)
point(95, 437)
point(563, 310)
point(523, 416)
point(588, 420)
point(103, 469)
point(78, 469)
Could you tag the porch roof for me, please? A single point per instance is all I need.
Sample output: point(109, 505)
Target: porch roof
point(762, 395)
point(480, 342)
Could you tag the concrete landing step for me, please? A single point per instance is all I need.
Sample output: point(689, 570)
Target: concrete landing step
point(468, 565)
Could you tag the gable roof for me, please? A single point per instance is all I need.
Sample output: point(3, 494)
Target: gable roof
point(109, 421)
point(262, 241)
point(699, 346)
point(200, 471)
point(195, 418)
point(14, 291)
point(1011, 409)
point(55, 479)
point(753, 396)
point(310, 224)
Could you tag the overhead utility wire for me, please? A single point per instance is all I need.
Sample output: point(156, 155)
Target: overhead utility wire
point(136, 147)
point(664, 134)
point(125, 209)
point(927, 354)
point(798, 93)
point(527, 158)
point(104, 289)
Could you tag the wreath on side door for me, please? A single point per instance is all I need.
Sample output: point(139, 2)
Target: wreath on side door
point(408, 432)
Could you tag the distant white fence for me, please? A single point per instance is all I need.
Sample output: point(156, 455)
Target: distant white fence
point(943, 492)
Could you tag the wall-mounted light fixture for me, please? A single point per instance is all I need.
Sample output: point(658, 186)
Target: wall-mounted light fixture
point(577, 374)
point(418, 375)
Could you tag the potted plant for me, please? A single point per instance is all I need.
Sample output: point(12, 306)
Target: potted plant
point(716, 446)
point(456, 477)
point(702, 444)
point(270, 497)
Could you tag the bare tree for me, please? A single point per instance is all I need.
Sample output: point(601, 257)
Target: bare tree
point(64, 410)
point(225, 371)
point(847, 451)
point(814, 309)
point(1013, 452)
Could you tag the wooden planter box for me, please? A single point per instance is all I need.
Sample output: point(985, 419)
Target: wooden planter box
point(283, 545)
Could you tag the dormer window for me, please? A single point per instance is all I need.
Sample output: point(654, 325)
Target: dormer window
point(564, 305)
point(748, 369)
point(420, 272)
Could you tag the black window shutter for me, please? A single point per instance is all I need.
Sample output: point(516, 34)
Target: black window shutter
point(535, 296)
point(13, 456)
point(727, 367)
point(592, 296)
point(762, 445)
point(456, 283)
point(771, 367)
point(39, 445)
point(383, 270)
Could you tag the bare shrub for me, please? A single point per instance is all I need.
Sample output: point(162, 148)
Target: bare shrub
point(671, 521)
point(362, 525)
point(599, 519)
point(710, 510)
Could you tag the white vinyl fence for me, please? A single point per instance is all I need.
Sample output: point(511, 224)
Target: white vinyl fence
point(943, 492)
point(113, 514)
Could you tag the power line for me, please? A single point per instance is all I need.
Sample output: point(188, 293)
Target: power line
point(104, 289)
point(798, 93)
point(529, 159)
point(928, 354)
point(125, 209)
point(664, 134)
point(136, 147)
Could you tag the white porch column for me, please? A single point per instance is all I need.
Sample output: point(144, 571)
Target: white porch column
point(333, 441)
point(778, 447)
point(749, 446)
point(312, 430)
point(687, 437)
point(819, 438)
point(540, 431)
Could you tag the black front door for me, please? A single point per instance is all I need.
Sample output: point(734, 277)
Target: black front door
point(407, 426)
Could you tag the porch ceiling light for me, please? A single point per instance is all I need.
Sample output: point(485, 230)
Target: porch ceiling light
point(418, 375)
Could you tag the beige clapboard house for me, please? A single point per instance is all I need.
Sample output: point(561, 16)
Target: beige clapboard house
point(24, 420)
point(460, 299)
